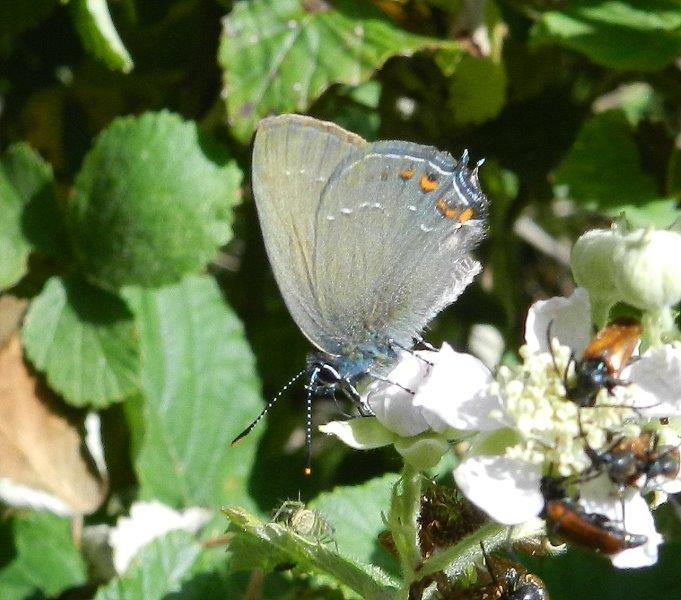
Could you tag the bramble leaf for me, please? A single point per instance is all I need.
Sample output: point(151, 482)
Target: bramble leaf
point(200, 390)
point(152, 201)
point(280, 55)
point(83, 339)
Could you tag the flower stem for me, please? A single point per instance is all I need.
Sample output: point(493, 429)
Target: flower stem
point(600, 309)
point(403, 521)
point(659, 326)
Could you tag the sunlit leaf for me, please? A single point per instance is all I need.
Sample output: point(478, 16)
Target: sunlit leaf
point(280, 55)
point(157, 571)
point(200, 391)
point(83, 339)
point(620, 34)
point(478, 90)
point(355, 512)
point(266, 544)
point(152, 201)
point(47, 561)
point(602, 172)
point(15, 246)
point(98, 34)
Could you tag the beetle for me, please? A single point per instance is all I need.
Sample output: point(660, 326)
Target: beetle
point(602, 361)
point(567, 521)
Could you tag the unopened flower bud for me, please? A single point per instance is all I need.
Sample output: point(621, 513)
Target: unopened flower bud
point(591, 261)
point(647, 269)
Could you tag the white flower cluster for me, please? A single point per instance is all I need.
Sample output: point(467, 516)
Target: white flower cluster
point(587, 468)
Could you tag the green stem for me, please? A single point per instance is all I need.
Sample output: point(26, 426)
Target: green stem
point(403, 521)
point(659, 326)
point(454, 560)
point(600, 310)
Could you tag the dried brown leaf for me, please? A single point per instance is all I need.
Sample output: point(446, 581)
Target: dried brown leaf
point(41, 443)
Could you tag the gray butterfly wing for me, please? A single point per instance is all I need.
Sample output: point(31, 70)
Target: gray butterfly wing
point(394, 229)
point(293, 157)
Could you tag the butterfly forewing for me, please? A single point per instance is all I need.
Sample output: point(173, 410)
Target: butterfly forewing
point(293, 158)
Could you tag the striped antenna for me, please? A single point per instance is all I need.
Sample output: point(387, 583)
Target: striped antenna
point(265, 410)
point(308, 422)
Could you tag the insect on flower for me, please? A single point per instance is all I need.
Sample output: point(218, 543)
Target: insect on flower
point(602, 361)
point(636, 460)
point(567, 521)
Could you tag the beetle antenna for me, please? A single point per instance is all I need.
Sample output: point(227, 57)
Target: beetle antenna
point(488, 564)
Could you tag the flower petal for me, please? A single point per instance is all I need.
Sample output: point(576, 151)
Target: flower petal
point(506, 489)
point(454, 393)
point(657, 379)
point(569, 318)
point(362, 433)
point(392, 404)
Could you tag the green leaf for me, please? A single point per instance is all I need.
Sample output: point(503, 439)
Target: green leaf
point(477, 91)
point(47, 561)
point(353, 108)
point(156, 571)
point(638, 101)
point(33, 180)
point(83, 339)
point(265, 544)
point(279, 56)
point(28, 212)
point(98, 34)
point(152, 201)
point(15, 246)
point(201, 390)
point(602, 172)
point(633, 34)
point(356, 515)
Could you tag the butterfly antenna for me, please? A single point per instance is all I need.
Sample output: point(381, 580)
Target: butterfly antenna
point(308, 422)
point(265, 410)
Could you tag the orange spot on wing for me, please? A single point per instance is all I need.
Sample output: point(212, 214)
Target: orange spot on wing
point(466, 215)
point(444, 209)
point(406, 174)
point(427, 183)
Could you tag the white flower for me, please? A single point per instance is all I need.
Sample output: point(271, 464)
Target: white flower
point(567, 319)
point(656, 381)
point(541, 432)
point(421, 404)
point(506, 489)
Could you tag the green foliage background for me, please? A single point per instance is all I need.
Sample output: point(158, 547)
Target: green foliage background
point(126, 221)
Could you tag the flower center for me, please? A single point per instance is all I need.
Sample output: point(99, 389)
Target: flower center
point(554, 432)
